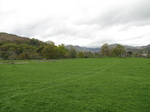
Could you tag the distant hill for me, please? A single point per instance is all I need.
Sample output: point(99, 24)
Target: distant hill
point(94, 49)
point(127, 48)
point(145, 47)
point(83, 49)
point(12, 38)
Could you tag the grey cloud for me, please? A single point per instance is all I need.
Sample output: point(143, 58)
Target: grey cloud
point(46, 29)
point(101, 40)
point(90, 24)
point(32, 28)
point(138, 15)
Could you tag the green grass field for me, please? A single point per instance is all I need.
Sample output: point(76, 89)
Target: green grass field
point(76, 85)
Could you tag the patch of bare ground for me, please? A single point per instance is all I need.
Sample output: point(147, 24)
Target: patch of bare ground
point(14, 63)
point(47, 61)
point(28, 62)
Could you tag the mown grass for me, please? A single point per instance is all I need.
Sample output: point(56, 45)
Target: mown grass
point(76, 85)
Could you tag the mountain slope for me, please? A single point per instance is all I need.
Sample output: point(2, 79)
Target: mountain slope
point(127, 48)
point(12, 38)
point(83, 49)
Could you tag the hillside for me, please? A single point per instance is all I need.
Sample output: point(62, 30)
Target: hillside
point(12, 38)
point(145, 47)
point(5, 37)
point(128, 48)
point(134, 49)
point(83, 49)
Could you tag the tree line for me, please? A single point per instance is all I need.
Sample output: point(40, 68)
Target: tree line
point(35, 49)
point(118, 50)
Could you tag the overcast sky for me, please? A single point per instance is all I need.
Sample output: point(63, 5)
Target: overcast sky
point(88, 23)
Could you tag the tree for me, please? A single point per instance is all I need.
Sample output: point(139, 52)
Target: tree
point(73, 53)
point(148, 56)
point(39, 50)
point(119, 50)
point(129, 53)
point(105, 50)
point(50, 42)
point(50, 51)
point(12, 55)
point(34, 42)
point(1, 53)
point(81, 55)
point(62, 51)
point(88, 54)
point(24, 56)
point(28, 48)
point(10, 51)
point(5, 56)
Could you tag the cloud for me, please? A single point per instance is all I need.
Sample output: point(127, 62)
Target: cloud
point(80, 22)
point(134, 13)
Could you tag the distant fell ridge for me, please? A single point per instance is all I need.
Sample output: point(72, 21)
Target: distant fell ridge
point(127, 48)
point(83, 49)
point(12, 37)
point(145, 47)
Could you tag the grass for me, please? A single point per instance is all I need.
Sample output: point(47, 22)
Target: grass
point(76, 85)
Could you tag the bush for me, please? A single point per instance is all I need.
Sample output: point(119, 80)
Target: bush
point(148, 56)
point(24, 56)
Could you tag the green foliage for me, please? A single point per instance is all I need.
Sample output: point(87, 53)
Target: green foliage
point(28, 48)
point(50, 51)
point(73, 53)
point(105, 50)
point(148, 56)
point(13, 47)
point(88, 54)
point(63, 53)
point(118, 50)
point(50, 42)
point(81, 55)
point(5, 56)
point(9, 51)
point(76, 85)
point(9, 47)
point(40, 49)
point(34, 42)
point(24, 56)
point(129, 53)
point(1, 43)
